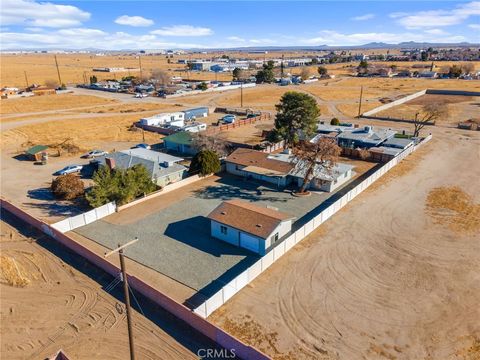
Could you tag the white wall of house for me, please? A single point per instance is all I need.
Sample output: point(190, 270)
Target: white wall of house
point(161, 119)
point(170, 178)
point(327, 186)
point(282, 230)
point(242, 239)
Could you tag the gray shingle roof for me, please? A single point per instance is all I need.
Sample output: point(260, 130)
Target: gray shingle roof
point(124, 160)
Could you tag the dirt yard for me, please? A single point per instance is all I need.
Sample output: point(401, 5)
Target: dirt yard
point(47, 305)
point(394, 275)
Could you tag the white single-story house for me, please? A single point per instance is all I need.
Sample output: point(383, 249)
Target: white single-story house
point(281, 170)
point(249, 226)
point(175, 118)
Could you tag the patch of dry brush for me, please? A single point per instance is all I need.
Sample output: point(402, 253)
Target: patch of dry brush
point(12, 273)
point(453, 207)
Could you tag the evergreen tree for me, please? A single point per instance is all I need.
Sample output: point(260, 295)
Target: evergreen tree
point(296, 113)
point(205, 162)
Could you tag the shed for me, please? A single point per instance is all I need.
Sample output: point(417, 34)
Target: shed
point(35, 152)
point(249, 226)
point(195, 113)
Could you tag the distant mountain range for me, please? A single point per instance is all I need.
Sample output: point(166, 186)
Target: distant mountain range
point(372, 45)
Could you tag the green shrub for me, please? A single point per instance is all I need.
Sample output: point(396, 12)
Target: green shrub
point(205, 162)
point(119, 185)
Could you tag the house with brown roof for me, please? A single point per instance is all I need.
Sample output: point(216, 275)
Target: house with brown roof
point(282, 170)
point(257, 165)
point(249, 226)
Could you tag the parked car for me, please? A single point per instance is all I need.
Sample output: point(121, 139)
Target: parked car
point(249, 116)
point(142, 146)
point(141, 95)
point(228, 119)
point(70, 169)
point(94, 153)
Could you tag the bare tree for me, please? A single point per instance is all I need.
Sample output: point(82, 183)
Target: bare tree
point(429, 113)
point(161, 77)
point(305, 73)
point(312, 159)
point(202, 141)
point(51, 83)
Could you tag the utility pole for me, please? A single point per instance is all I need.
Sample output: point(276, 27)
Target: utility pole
point(26, 79)
point(119, 249)
point(360, 103)
point(58, 71)
point(241, 95)
point(140, 64)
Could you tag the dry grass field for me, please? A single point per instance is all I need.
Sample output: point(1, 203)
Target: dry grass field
point(459, 108)
point(33, 104)
point(84, 133)
point(41, 68)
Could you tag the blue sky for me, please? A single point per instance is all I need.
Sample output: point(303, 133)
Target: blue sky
point(116, 25)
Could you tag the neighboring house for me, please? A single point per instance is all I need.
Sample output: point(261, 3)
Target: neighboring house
point(39, 91)
point(180, 142)
point(281, 170)
point(428, 74)
point(144, 88)
point(174, 119)
point(257, 165)
point(200, 65)
point(249, 226)
point(365, 137)
point(196, 113)
point(6, 91)
point(35, 153)
point(163, 168)
point(398, 143)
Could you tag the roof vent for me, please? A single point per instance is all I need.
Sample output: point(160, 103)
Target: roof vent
point(259, 225)
point(223, 213)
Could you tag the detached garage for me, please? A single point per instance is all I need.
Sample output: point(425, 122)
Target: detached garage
point(249, 226)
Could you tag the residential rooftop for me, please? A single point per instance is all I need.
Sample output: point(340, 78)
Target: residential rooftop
point(258, 159)
point(247, 217)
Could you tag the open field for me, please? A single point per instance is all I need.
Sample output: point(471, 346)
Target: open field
point(34, 104)
point(389, 277)
point(83, 132)
point(58, 305)
point(459, 108)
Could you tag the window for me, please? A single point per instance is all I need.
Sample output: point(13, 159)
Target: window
point(275, 237)
point(223, 230)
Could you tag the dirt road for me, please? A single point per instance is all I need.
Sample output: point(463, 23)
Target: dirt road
point(388, 277)
point(60, 307)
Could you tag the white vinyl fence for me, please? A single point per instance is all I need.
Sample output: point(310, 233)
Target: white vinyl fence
point(86, 218)
point(395, 103)
point(230, 289)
